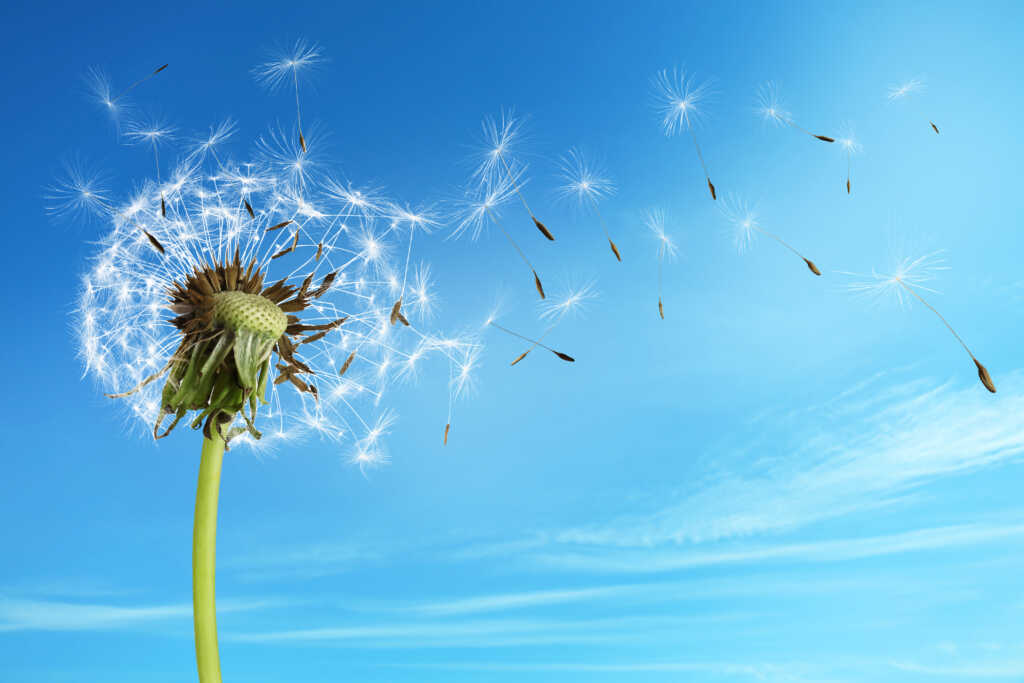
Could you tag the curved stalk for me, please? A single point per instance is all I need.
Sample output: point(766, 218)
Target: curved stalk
point(204, 545)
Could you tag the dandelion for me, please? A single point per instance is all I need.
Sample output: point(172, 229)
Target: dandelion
point(849, 145)
point(679, 100)
point(284, 69)
point(586, 184)
point(770, 107)
point(905, 283)
point(482, 209)
point(655, 222)
point(744, 225)
point(500, 137)
point(259, 304)
point(905, 89)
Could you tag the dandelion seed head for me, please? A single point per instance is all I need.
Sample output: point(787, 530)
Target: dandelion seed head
point(501, 136)
point(770, 106)
point(905, 88)
point(742, 222)
point(572, 301)
point(679, 98)
point(655, 222)
point(482, 202)
point(126, 332)
point(848, 141)
point(151, 131)
point(79, 193)
point(286, 64)
point(583, 181)
point(913, 272)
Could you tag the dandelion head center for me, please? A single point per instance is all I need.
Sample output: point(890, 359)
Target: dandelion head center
point(240, 310)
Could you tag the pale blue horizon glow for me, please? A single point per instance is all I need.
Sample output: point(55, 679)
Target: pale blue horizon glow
point(779, 481)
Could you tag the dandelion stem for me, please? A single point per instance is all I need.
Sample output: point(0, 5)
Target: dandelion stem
point(932, 309)
point(515, 185)
point(204, 544)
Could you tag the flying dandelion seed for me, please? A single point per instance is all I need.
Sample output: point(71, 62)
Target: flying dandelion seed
point(679, 100)
point(80, 193)
point(226, 289)
point(412, 221)
point(284, 68)
point(849, 145)
point(909, 278)
point(482, 209)
point(535, 342)
point(904, 90)
point(500, 137)
point(744, 226)
point(587, 184)
point(571, 303)
point(153, 133)
point(771, 109)
point(655, 222)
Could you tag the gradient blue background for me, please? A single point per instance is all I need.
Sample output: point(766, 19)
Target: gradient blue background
point(778, 482)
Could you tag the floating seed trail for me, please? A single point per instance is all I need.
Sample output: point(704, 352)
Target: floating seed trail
point(704, 166)
point(567, 358)
point(515, 185)
point(137, 83)
point(536, 278)
point(810, 264)
point(679, 100)
point(983, 375)
point(604, 226)
point(745, 224)
point(772, 110)
point(655, 222)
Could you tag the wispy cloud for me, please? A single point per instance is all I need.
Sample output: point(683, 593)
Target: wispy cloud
point(490, 632)
point(308, 562)
point(1013, 670)
point(835, 550)
point(865, 451)
point(47, 615)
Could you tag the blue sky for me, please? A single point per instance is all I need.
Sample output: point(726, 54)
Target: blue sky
point(777, 482)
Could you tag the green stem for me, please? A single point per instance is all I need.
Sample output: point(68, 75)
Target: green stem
point(204, 548)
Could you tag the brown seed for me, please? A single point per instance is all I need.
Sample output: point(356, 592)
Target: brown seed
point(935, 128)
point(161, 69)
point(518, 358)
point(661, 309)
point(278, 226)
point(248, 207)
point(814, 268)
point(544, 231)
point(847, 187)
point(155, 242)
point(565, 357)
point(540, 287)
point(319, 251)
point(615, 250)
point(394, 311)
point(446, 428)
point(347, 363)
point(402, 319)
point(985, 378)
point(286, 250)
point(711, 187)
point(163, 207)
point(302, 141)
point(825, 138)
